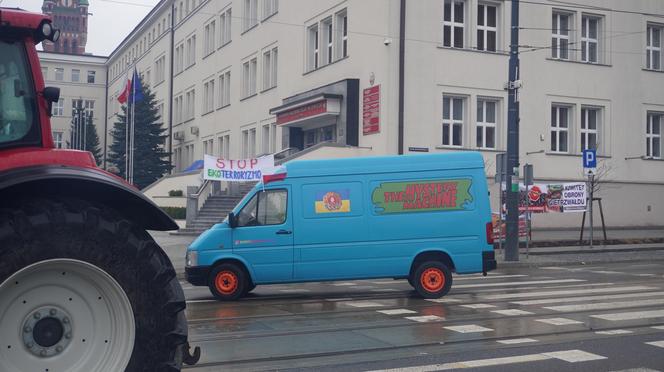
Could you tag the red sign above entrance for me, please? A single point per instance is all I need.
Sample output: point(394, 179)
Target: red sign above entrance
point(302, 112)
point(371, 110)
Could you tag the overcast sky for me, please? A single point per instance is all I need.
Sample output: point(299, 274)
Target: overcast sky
point(111, 20)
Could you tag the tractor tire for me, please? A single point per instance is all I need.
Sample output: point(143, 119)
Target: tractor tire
point(228, 282)
point(82, 289)
point(432, 279)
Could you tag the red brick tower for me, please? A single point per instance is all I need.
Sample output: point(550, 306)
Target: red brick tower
point(71, 17)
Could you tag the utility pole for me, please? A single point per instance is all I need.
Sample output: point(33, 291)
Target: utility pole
point(512, 183)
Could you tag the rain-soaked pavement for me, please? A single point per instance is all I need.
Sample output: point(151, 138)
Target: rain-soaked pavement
point(605, 317)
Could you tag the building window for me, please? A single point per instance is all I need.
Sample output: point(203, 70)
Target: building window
point(342, 37)
point(58, 108)
point(270, 7)
point(560, 35)
point(160, 69)
point(225, 27)
point(208, 96)
point(249, 78)
point(590, 118)
point(224, 146)
point(654, 47)
point(177, 108)
point(654, 135)
point(589, 39)
point(559, 128)
point(250, 18)
point(313, 47)
point(486, 124)
point(57, 140)
point(91, 77)
point(190, 105)
point(453, 23)
point(191, 51)
point(225, 89)
point(208, 147)
point(487, 28)
point(210, 33)
point(269, 138)
point(270, 68)
point(328, 44)
point(179, 58)
point(75, 75)
point(453, 121)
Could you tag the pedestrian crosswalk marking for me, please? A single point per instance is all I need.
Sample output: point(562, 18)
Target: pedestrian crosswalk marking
point(385, 290)
point(605, 305)
point(298, 290)
point(631, 315)
point(658, 327)
point(587, 298)
point(538, 288)
point(443, 300)
point(425, 318)
point(363, 304)
point(656, 343)
point(470, 328)
point(514, 341)
point(614, 332)
point(512, 312)
point(640, 369)
point(488, 277)
point(478, 306)
point(568, 292)
point(607, 272)
point(574, 356)
point(396, 311)
point(559, 321)
point(345, 284)
point(501, 284)
point(571, 356)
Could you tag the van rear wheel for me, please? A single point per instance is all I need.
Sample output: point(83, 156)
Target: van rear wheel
point(432, 279)
point(227, 282)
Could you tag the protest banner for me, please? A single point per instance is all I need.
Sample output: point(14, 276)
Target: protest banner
point(243, 170)
point(557, 198)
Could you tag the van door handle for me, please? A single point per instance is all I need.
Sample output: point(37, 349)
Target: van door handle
point(284, 232)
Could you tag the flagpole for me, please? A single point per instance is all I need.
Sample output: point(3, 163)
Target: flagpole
point(127, 133)
point(133, 123)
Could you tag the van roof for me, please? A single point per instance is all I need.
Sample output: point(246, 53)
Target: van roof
point(385, 164)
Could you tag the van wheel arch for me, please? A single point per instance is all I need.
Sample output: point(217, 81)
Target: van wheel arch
point(439, 256)
point(238, 263)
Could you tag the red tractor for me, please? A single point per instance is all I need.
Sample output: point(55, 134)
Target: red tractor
point(83, 286)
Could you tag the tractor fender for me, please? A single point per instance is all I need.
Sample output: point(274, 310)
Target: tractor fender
point(90, 184)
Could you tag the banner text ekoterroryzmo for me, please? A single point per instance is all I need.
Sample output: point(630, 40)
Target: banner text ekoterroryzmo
point(242, 170)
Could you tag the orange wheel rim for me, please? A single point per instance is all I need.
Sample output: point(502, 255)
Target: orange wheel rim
point(226, 282)
point(432, 279)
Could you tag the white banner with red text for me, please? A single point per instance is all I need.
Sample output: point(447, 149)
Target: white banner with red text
point(242, 170)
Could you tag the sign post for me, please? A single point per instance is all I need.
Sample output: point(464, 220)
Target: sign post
point(589, 167)
point(501, 170)
point(528, 181)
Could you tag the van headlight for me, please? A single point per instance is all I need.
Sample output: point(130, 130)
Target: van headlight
point(192, 258)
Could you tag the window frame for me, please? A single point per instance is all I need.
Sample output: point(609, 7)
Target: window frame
point(587, 40)
point(453, 24)
point(257, 197)
point(451, 122)
point(651, 137)
point(484, 124)
point(652, 49)
point(584, 130)
point(486, 29)
point(249, 78)
point(557, 129)
point(250, 16)
point(556, 47)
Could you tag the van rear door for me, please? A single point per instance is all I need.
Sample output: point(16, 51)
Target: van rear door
point(264, 235)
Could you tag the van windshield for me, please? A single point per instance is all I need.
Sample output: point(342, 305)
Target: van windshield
point(17, 96)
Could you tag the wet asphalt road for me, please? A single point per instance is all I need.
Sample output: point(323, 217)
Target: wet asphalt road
point(607, 317)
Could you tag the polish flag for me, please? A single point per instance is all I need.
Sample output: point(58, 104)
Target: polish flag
point(122, 98)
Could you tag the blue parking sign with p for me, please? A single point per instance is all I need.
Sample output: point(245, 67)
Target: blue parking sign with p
point(590, 158)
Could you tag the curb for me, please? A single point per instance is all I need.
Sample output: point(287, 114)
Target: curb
point(520, 264)
point(594, 250)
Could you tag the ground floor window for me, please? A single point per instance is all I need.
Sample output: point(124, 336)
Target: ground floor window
point(318, 135)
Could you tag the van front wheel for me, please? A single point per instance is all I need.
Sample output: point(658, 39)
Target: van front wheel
point(227, 282)
point(432, 279)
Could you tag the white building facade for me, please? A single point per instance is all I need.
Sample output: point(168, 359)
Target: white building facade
point(240, 78)
point(82, 83)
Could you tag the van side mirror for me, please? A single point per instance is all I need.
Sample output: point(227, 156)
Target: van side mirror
point(51, 94)
point(232, 220)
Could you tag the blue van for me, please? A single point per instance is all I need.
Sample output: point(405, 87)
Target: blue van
point(418, 217)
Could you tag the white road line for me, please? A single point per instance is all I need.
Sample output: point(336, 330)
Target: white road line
point(363, 304)
point(425, 318)
point(518, 283)
point(299, 290)
point(571, 356)
point(656, 343)
point(388, 282)
point(345, 284)
point(515, 341)
point(385, 290)
point(631, 315)
point(396, 311)
point(614, 332)
point(457, 278)
point(587, 298)
point(606, 305)
point(559, 321)
point(574, 356)
point(638, 369)
point(645, 274)
point(658, 327)
point(538, 288)
point(607, 272)
point(512, 312)
point(470, 328)
point(443, 300)
point(200, 301)
point(568, 292)
point(478, 306)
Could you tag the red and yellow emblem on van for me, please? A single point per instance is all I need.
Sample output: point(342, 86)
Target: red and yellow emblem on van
point(337, 201)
